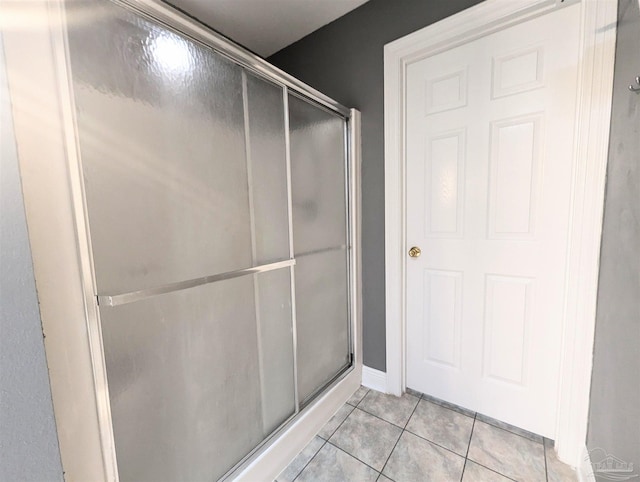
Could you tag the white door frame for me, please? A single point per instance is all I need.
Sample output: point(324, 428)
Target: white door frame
point(591, 141)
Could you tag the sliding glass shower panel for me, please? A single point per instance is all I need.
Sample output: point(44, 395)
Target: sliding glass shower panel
point(317, 140)
point(321, 308)
point(318, 169)
point(185, 376)
point(162, 140)
point(267, 169)
point(268, 204)
point(275, 347)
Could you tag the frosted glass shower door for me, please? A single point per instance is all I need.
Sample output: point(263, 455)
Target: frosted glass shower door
point(318, 181)
point(184, 376)
point(185, 170)
point(216, 205)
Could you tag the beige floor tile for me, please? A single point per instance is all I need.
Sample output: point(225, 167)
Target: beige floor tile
point(333, 465)
point(442, 426)
point(367, 438)
point(507, 453)
point(415, 459)
point(396, 410)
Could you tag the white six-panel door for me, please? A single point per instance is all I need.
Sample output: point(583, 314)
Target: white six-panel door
point(489, 147)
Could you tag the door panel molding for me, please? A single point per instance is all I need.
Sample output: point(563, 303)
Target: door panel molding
point(595, 84)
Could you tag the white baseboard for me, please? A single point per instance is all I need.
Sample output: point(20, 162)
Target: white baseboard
point(585, 470)
point(374, 379)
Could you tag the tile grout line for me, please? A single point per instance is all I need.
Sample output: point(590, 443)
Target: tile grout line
point(422, 397)
point(478, 463)
point(359, 401)
point(314, 456)
point(380, 418)
point(466, 456)
point(424, 438)
point(464, 466)
point(546, 466)
point(435, 443)
point(431, 441)
point(493, 470)
point(403, 430)
point(412, 412)
point(475, 417)
point(340, 424)
point(353, 456)
point(488, 420)
point(326, 441)
point(394, 424)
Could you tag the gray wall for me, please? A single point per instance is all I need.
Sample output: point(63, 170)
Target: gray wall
point(28, 440)
point(344, 60)
point(614, 418)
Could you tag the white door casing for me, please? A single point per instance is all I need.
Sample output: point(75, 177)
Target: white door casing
point(488, 158)
point(586, 193)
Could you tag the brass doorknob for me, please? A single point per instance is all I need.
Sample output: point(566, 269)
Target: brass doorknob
point(415, 252)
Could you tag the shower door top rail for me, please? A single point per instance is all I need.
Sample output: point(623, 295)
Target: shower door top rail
point(181, 22)
point(130, 297)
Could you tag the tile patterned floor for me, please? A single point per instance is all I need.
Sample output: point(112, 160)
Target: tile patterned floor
point(378, 437)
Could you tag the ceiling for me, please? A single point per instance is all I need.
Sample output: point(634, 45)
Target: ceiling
point(266, 26)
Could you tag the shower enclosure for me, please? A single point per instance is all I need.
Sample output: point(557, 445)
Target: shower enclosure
point(215, 213)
